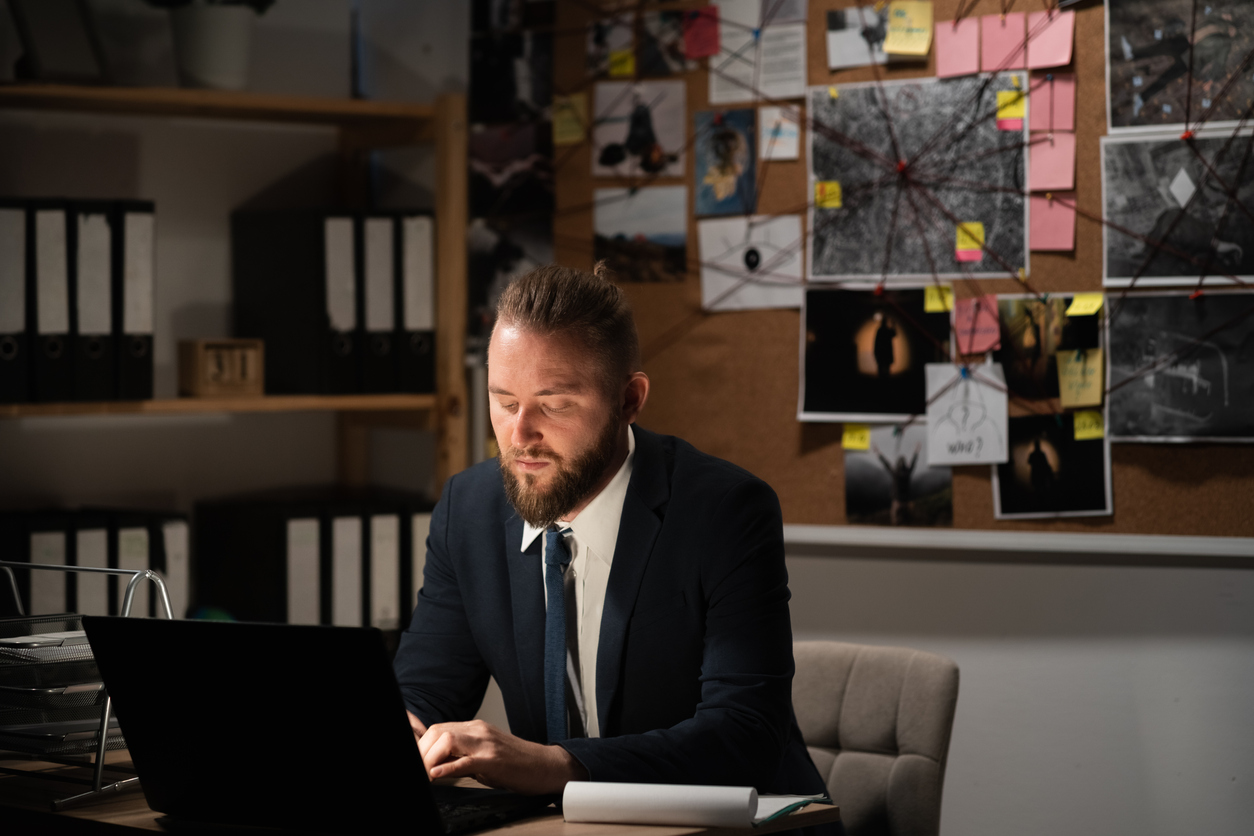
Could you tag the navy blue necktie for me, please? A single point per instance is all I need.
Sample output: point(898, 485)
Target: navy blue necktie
point(556, 687)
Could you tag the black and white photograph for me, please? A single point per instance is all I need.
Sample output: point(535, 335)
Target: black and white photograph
point(1050, 474)
point(642, 234)
point(1182, 369)
point(1178, 212)
point(638, 129)
point(1178, 62)
point(1033, 330)
point(905, 190)
point(661, 49)
point(863, 354)
point(611, 47)
point(892, 484)
point(511, 169)
point(855, 36)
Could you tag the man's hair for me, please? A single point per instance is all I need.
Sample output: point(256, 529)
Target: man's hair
point(586, 306)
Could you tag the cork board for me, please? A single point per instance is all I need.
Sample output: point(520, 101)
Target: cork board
point(727, 382)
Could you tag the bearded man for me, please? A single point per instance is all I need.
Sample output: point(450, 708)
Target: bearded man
point(626, 591)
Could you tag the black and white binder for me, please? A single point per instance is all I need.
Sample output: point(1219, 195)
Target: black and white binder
point(49, 289)
point(91, 549)
point(91, 289)
point(14, 344)
point(416, 280)
point(134, 297)
point(379, 359)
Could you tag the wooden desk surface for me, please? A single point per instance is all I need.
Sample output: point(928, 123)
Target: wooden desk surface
point(129, 811)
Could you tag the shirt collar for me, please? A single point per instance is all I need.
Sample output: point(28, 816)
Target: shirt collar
point(597, 525)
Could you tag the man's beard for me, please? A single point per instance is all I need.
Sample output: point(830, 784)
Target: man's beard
point(571, 482)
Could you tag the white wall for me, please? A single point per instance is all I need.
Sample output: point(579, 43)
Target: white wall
point(1092, 700)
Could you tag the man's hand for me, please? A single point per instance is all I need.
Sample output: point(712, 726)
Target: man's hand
point(496, 758)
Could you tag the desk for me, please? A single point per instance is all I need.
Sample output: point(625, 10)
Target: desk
point(24, 809)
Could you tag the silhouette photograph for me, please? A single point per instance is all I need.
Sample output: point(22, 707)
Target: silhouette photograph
point(891, 483)
point(1032, 330)
point(1050, 474)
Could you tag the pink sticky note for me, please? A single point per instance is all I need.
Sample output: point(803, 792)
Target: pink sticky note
point(1052, 102)
point(1002, 42)
point(1050, 35)
point(957, 47)
point(1051, 161)
point(1052, 222)
point(976, 324)
point(701, 32)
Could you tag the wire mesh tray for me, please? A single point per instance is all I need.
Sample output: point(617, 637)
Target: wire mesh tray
point(73, 738)
point(26, 717)
point(68, 696)
point(27, 625)
point(49, 674)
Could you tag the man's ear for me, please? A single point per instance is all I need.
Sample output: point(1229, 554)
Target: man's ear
point(635, 393)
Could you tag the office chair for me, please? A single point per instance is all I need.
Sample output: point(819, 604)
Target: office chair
point(877, 722)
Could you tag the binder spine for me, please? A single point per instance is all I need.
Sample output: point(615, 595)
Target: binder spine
point(92, 342)
point(379, 360)
point(415, 280)
point(133, 303)
point(14, 343)
point(48, 300)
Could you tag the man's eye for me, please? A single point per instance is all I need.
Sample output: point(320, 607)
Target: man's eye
point(556, 408)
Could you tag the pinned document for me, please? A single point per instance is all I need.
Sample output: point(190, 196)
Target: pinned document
point(1089, 425)
point(1052, 35)
point(1080, 377)
point(938, 298)
point(1086, 304)
point(909, 27)
point(1053, 102)
point(779, 135)
point(977, 325)
point(966, 414)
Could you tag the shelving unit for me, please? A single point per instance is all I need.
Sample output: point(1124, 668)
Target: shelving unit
point(363, 126)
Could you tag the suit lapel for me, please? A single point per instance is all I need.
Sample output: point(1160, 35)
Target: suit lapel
point(638, 529)
point(526, 583)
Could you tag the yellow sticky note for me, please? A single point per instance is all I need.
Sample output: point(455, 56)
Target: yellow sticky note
point(856, 437)
point(1089, 425)
point(909, 27)
point(1080, 377)
point(1085, 304)
point(622, 63)
point(970, 236)
point(570, 119)
point(1012, 104)
point(827, 194)
point(832, 92)
point(938, 298)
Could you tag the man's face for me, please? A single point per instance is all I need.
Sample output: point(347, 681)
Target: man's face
point(557, 428)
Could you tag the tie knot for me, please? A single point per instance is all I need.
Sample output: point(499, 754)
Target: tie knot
point(555, 551)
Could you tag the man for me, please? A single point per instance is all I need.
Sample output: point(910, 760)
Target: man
point(677, 665)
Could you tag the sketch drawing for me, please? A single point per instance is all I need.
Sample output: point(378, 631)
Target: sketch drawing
point(893, 484)
point(915, 159)
point(966, 414)
point(1178, 211)
point(1172, 62)
point(1176, 373)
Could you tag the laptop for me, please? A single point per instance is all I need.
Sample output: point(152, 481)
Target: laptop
point(278, 726)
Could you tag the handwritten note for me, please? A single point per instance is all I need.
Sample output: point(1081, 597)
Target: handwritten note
point(827, 194)
point(1086, 304)
point(570, 119)
point(1080, 377)
point(938, 298)
point(701, 32)
point(977, 325)
point(966, 415)
point(909, 27)
point(1053, 102)
point(1053, 33)
point(1089, 425)
point(969, 245)
point(1052, 226)
point(1051, 161)
point(957, 47)
point(1001, 42)
point(856, 437)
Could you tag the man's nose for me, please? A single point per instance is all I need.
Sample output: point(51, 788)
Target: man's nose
point(526, 428)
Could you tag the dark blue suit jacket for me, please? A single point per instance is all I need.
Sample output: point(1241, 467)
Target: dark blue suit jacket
point(694, 667)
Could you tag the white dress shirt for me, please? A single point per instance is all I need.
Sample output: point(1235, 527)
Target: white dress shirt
point(593, 535)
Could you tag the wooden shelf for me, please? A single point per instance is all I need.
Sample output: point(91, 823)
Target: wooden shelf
point(201, 406)
point(392, 122)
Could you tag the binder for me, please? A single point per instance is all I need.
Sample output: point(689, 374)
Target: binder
point(134, 273)
point(48, 543)
point(48, 291)
point(14, 344)
point(379, 360)
point(346, 587)
point(174, 562)
point(12, 548)
point(304, 561)
point(294, 282)
point(129, 548)
point(411, 581)
point(91, 541)
point(91, 289)
point(415, 345)
point(385, 571)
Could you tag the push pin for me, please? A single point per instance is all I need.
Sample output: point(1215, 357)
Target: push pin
point(1049, 196)
point(964, 371)
point(1197, 294)
point(879, 289)
point(901, 166)
point(1186, 136)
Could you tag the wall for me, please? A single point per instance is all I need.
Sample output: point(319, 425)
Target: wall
point(1092, 699)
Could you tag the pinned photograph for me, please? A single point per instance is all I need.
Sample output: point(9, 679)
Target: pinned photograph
point(511, 169)
point(1050, 473)
point(661, 51)
point(855, 36)
point(726, 162)
point(1182, 369)
point(1172, 62)
point(863, 355)
point(611, 47)
point(1033, 330)
point(638, 129)
point(960, 212)
point(750, 263)
point(1178, 211)
point(891, 482)
point(966, 414)
point(642, 234)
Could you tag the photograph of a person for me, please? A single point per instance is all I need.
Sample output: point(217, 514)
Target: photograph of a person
point(1175, 61)
point(725, 162)
point(892, 484)
point(1050, 474)
point(863, 354)
point(1178, 212)
point(1033, 330)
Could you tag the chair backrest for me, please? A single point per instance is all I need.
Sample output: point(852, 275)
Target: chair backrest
point(877, 722)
